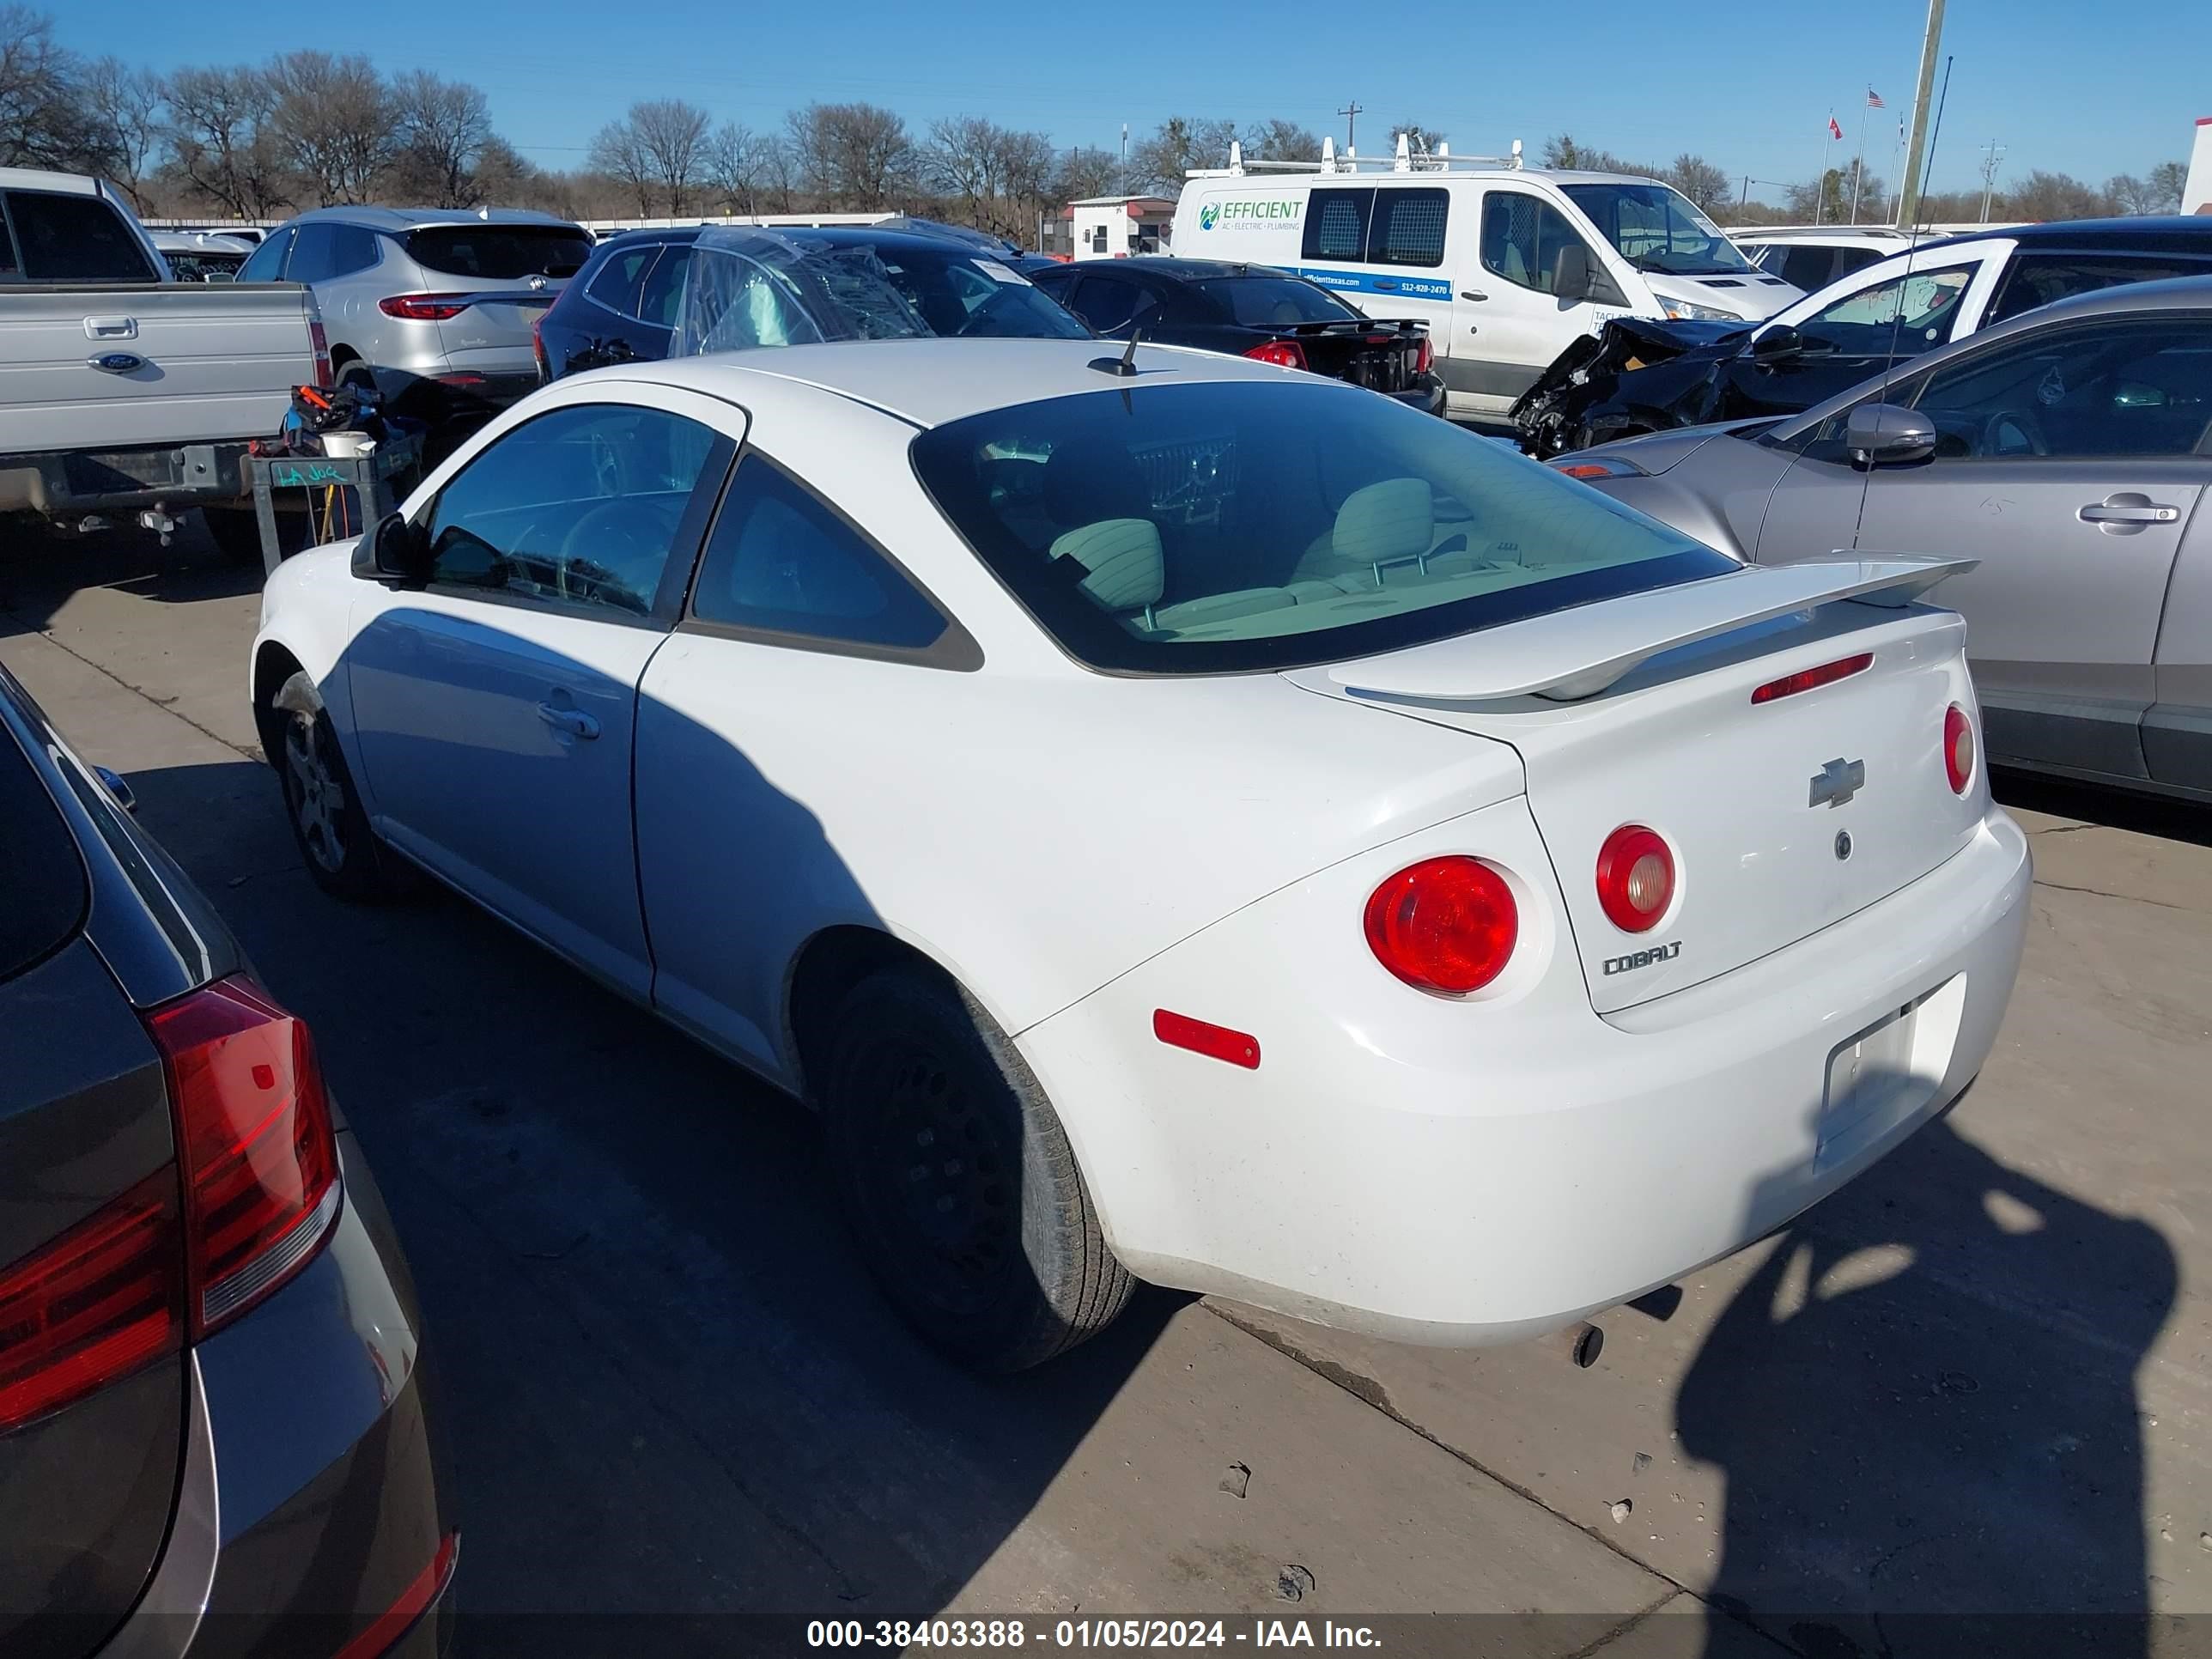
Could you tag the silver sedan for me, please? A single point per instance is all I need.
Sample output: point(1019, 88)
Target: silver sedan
point(2069, 450)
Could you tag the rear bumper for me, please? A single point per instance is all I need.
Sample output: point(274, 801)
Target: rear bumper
point(1465, 1173)
point(123, 480)
point(1426, 394)
point(313, 1498)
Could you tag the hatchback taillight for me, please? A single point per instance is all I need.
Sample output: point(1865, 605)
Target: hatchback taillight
point(1634, 877)
point(423, 307)
point(1285, 353)
point(254, 1137)
point(1425, 356)
point(1446, 925)
point(94, 1304)
point(1957, 748)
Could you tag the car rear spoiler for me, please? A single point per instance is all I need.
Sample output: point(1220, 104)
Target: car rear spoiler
point(1580, 650)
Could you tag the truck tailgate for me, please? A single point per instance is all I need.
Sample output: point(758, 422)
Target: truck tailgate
point(144, 366)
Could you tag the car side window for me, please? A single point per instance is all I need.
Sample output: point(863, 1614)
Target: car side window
point(1809, 268)
point(353, 247)
point(1409, 227)
point(266, 263)
point(1336, 223)
point(1108, 302)
point(1522, 236)
point(579, 507)
point(1903, 317)
point(661, 301)
point(312, 254)
point(615, 283)
point(2037, 279)
point(2126, 386)
point(780, 561)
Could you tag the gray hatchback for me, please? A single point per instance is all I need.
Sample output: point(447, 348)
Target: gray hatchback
point(2070, 451)
point(436, 308)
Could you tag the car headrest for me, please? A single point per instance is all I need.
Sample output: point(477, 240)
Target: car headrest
point(1127, 571)
point(1393, 519)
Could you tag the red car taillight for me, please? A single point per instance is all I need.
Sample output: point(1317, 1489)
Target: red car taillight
point(423, 307)
point(1446, 925)
point(254, 1136)
point(321, 343)
point(1957, 748)
point(537, 349)
point(1634, 877)
point(93, 1304)
point(1285, 353)
point(1425, 356)
point(1811, 679)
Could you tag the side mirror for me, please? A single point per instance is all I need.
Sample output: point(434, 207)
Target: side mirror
point(1571, 274)
point(392, 552)
point(1883, 434)
point(1779, 341)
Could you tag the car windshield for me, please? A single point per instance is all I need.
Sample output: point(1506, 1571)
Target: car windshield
point(1274, 302)
point(492, 252)
point(1241, 526)
point(1657, 227)
point(748, 287)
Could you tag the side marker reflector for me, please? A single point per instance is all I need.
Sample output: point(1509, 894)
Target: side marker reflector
point(1214, 1041)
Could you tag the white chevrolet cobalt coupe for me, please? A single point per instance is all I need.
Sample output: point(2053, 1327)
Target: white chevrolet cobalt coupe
point(1178, 818)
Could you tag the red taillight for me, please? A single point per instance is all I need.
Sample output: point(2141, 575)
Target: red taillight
point(1285, 353)
point(1202, 1037)
point(423, 307)
point(321, 342)
point(1957, 748)
point(93, 1304)
point(1634, 877)
point(382, 1633)
point(537, 349)
point(253, 1134)
point(1446, 925)
point(1806, 679)
point(1425, 356)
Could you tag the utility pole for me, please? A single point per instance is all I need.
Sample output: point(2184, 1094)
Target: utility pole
point(1351, 113)
point(1908, 198)
point(1992, 158)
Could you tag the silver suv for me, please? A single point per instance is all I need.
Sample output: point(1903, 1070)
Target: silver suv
point(436, 308)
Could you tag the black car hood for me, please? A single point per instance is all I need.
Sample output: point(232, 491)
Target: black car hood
point(1635, 374)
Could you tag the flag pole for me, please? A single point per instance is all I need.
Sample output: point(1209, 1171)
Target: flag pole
point(1859, 167)
point(1820, 175)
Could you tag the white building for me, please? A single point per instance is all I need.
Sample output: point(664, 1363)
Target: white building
point(2197, 194)
point(1115, 227)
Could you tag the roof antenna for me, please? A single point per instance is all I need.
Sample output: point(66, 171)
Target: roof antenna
point(1125, 366)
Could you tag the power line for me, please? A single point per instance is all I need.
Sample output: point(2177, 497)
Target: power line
point(1351, 113)
point(1993, 155)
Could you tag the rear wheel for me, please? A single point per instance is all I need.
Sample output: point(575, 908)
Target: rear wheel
point(958, 1179)
point(343, 853)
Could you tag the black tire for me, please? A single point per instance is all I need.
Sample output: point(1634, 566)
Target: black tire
point(236, 532)
point(340, 850)
point(992, 1252)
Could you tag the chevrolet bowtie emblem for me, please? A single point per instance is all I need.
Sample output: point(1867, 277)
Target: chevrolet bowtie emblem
point(1837, 783)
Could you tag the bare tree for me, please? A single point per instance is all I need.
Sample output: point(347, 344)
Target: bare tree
point(442, 128)
point(1160, 162)
point(857, 156)
point(1827, 199)
point(999, 177)
point(731, 167)
point(2168, 182)
point(619, 152)
point(218, 142)
point(125, 106)
point(2050, 196)
point(673, 135)
point(1283, 141)
point(1420, 140)
point(44, 120)
point(333, 118)
point(1700, 180)
point(500, 174)
point(1083, 172)
point(778, 173)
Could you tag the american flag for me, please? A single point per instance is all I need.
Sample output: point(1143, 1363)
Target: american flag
point(1873, 99)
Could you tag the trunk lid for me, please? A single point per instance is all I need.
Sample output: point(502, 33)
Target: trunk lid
point(1752, 797)
point(1380, 355)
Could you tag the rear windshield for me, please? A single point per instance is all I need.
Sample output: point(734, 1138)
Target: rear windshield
point(45, 876)
point(501, 253)
point(75, 239)
point(1274, 302)
point(1237, 526)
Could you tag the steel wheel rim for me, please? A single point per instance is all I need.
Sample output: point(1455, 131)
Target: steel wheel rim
point(945, 1190)
point(317, 797)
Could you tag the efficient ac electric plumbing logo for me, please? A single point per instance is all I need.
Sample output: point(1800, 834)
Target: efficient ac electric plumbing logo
point(1267, 210)
point(1207, 215)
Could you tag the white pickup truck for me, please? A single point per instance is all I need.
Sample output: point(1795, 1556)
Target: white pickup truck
point(123, 392)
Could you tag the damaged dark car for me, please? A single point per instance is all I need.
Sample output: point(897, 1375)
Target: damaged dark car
point(1640, 375)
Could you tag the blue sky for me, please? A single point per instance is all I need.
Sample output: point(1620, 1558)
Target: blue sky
point(2083, 88)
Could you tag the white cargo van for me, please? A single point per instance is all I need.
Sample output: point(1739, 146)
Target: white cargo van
point(1506, 263)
